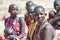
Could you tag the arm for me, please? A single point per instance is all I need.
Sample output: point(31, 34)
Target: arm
point(5, 22)
point(23, 28)
point(49, 32)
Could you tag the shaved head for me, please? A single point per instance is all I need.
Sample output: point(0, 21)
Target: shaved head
point(57, 5)
point(40, 8)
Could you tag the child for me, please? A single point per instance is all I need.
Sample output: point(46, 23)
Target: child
point(29, 16)
point(41, 29)
point(51, 16)
point(15, 22)
point(57, 6)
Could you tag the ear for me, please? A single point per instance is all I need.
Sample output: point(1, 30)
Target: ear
point(45, 14)
point(26, 7)
point(9, 11)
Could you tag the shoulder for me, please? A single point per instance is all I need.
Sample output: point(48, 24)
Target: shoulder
point(26, 14)
point(7, 18)
point(48, 25)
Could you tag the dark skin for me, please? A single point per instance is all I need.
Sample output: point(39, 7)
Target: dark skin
point(27, 8)
point(29, 17)
point(51, 16)
point(57, 5)
point(57, 23)
point(13, 10)
point(31, 9)
point(39, 16)
point(28, 4)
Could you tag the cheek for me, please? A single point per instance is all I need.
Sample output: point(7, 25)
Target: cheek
point(58, 23)
point(56, 7)
point(36, 17)
point(13, 11)
point(43, 16)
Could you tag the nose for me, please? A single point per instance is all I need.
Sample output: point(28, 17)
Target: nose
point(15, 11)
point(39, 15)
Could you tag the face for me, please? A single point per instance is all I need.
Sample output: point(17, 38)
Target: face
point(51, 14)
point(14, 12)
point(40, 15)
point(56, 5)
point(29, 9)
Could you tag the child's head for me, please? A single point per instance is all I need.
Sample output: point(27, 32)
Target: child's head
point(51, 14)
point(13, 10)
point(57, 5)
point(31, 8)
point(28, 5)
point(39, 13)
point(8, 31)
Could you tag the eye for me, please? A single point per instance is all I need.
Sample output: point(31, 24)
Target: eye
point(17, 9)
point(36, 14)
point(41, 13)
point(56, 4)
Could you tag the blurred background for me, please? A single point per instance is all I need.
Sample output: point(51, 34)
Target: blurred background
point(4, 4)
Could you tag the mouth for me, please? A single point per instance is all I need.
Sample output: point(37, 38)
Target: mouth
point(40, 19)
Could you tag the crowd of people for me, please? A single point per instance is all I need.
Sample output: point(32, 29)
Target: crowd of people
point(33, 26)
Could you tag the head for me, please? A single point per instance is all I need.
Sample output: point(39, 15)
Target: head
point(31, 8)
point(13, 10)
point(51, 14)
point(28, 4)
point(39, 13)
point(57, 5)
point(8, 31)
